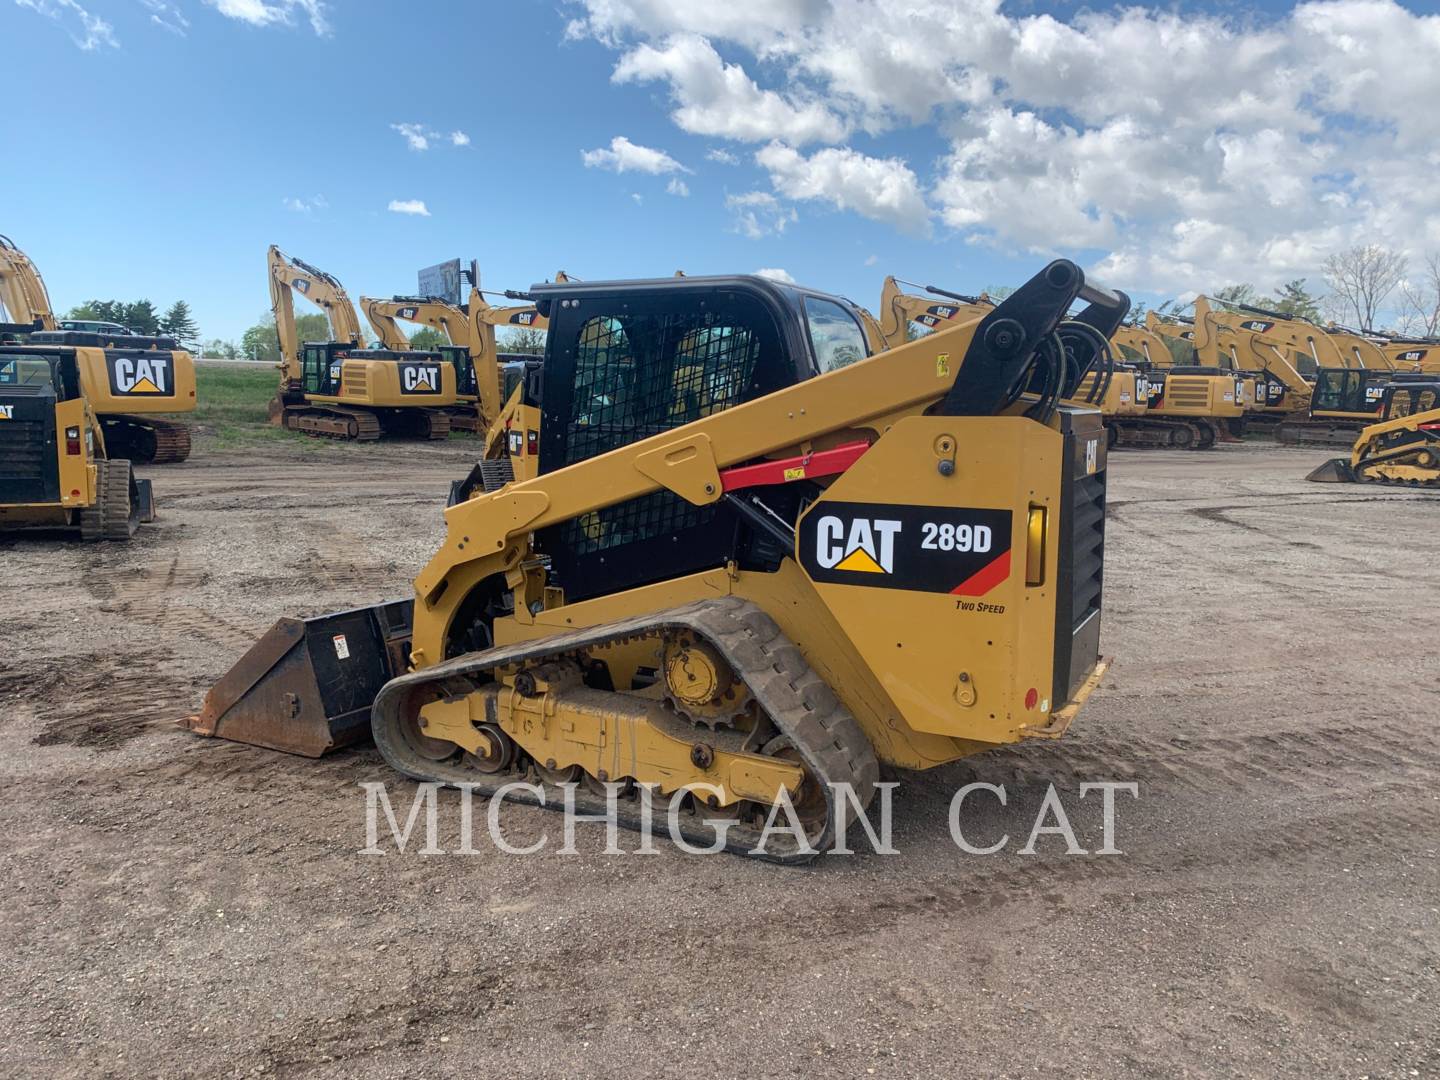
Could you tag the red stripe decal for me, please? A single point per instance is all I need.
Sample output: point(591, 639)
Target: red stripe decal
point(822, 463)
point(986, 578)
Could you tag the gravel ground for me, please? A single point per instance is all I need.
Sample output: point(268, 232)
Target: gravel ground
point(183, 907)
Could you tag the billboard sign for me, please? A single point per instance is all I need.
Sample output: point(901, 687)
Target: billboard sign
point(442, 280)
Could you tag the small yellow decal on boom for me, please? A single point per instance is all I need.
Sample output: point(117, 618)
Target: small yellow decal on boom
point(942, 365)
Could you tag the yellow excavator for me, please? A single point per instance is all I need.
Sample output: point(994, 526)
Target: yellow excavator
point(340, 389)
point(757, 564)
point(470, 331)
point(1330, 406)
point(1402, 447)
point(131, 380)
point(1413, 354)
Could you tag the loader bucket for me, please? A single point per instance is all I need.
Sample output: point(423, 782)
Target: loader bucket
point(306, 686)
point(1335, 471)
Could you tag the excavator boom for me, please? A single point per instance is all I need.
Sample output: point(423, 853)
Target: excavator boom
point(22, 292)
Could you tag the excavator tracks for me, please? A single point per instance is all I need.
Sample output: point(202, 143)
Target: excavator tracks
point(1307, 432)
point(811, 722)
point(465, 418)
point(146, 441)
point(366, 425)
point(334, 422)
point(1157, 433)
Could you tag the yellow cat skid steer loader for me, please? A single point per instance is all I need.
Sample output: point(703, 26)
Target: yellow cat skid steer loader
point(1403, 446)
point(54, 470)
point(756, 564)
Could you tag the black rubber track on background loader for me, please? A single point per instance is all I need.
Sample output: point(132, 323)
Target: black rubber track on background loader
point(114, 515)
point(794, 697)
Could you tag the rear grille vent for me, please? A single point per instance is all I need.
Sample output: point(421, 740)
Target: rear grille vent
point(1088, 545)
point(355, 380)
point(25, 453)
point(1183, 393)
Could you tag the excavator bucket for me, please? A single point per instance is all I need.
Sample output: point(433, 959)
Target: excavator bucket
point(1335, 471)
point(306, 686)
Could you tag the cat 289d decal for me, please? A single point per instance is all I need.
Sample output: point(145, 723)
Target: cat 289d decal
point(939, 549)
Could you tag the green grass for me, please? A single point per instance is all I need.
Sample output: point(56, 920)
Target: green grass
point(230, 405)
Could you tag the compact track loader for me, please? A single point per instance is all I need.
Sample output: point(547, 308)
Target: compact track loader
point(756, 564)
point(55, 472)
point(1403, 446)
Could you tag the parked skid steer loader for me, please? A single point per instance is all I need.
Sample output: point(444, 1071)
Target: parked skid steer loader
point(1403, 446)
point(756, 563)
point(55, 472)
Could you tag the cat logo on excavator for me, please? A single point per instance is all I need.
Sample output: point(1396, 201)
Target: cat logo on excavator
point(420, 378)
point(7, 412)
point(140, 374)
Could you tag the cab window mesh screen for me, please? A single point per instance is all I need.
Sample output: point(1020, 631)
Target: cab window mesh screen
point(637, 376)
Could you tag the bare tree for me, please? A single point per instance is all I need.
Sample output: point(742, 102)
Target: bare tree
point(1361, 279)
point(1420, 301)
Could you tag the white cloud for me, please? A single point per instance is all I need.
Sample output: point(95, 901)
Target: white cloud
point(304, 206)
point(266, 13)
point(884, 189)
point(408, 206)
point(459, 138)
point(638, 199)
point(88, 31)
point(871, 260)
point(626, 156)
point(416, 136)
point(774, 273)
point(167, 16)
point(716, 98)
point(1172, 148)
point(676, 186)
point(721, 157)
point(758, 213)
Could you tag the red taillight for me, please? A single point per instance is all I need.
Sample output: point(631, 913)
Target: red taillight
point(72, 440)
point(1430, 427)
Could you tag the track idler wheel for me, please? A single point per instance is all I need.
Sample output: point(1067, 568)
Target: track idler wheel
point(1182, 437)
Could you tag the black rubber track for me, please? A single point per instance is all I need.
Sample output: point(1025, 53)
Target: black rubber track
point(797, 700)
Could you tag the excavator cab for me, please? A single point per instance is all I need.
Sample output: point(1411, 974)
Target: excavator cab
point(1348, 392)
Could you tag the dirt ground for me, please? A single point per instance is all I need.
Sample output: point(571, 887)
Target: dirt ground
point(178, 906)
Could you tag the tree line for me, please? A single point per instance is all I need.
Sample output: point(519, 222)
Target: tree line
point(143, 317)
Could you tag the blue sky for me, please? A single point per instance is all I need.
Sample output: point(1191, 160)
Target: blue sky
point(162, 160)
